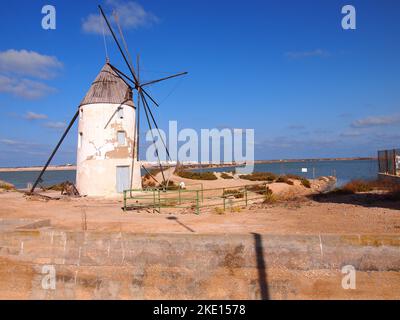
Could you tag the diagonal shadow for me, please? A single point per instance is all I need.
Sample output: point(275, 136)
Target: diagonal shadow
point(261, 267)
point(182, 224)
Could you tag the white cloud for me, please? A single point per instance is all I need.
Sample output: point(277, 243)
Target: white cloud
point(350, 134)
point(29, 63)
point(376, 121)
point(307, 54)
point(131, 15)
point(18, 144)
point(34, 116)
point(55, 125)
point(25, 88)
point(296, 127)
point(9, 142)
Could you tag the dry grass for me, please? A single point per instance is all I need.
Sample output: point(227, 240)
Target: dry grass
point(259, 189)
point(236, 193)
point(219, 210)
point(6, 186)
point(197, 175)
point(284, 179)
point(360, 186)
point(293, 176)
point(305, 182)
point(259, 176)
point(269, 197)
point(236, 209)
point(224, 175)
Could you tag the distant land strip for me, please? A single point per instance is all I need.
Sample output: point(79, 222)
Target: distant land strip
point(73, 167)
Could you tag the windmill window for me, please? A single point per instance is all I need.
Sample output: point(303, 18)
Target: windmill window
point(121, 112)
point(81, 113)
point(80, 140)
point(121, 138)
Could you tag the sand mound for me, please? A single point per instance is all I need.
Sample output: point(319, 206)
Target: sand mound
point(6, 186)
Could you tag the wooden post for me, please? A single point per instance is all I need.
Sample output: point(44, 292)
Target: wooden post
point(245, 194)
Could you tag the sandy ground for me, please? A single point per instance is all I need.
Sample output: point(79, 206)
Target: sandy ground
point(337, 215)
point(362, 214)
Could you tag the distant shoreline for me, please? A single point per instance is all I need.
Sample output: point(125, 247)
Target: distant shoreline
point(73, 167)
point(50, 168)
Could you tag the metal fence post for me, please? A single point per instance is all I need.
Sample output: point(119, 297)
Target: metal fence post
point(154, 200)
point(159, 201)
point(245, 194)
point(179, 192)
point(124, 200)
point(197, 203)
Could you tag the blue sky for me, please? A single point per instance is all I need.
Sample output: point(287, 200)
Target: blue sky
point(285, 68)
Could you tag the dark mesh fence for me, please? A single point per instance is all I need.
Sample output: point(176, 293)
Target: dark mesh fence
point(389, 161)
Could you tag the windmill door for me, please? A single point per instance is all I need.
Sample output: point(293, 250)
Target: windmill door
point(122, 178)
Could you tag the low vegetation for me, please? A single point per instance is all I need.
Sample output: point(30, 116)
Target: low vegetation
point(207, 175)
point(305, 182)
point(259, 189)
point(284, 179)
point(224, 175)
point(169, 185)
point(55, 187)
point(236, 193)
point(6, 186)
point(219, 210)
point(269, 197)
point(152, 172)
point(271, 177)
point(259, 176)
point(148, 184)
point(293, 176)
point(363, 186)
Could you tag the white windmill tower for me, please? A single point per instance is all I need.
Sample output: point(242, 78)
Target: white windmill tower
point(108, 131)
point(106, 156)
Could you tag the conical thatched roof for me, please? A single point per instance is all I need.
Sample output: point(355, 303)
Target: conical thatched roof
point(108, 87)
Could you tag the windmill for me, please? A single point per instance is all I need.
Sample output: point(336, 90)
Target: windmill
point(112, 91)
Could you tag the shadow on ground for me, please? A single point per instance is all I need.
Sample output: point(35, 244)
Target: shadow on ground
point(261, 267)
point(369, 200)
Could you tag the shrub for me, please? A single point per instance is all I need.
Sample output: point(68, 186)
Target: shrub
point(236, 209)
point(148, 184)
point(355, 186)
point(170, 185)
point(340, 191)
point(55, 187)
point(260, 189)
point(6, 186)
point(305, 182)
point(233, 192)
point(152, 172)
point(259, 176)
point(284, 179)
point(293, 176)
point(269, 196)
point(197, 175)
point(219, 210)
point(224, 175)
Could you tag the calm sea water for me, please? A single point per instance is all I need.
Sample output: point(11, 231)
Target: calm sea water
point(343, 170)
point(21, 179)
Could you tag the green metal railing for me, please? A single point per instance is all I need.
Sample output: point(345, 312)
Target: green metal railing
point(157, 198)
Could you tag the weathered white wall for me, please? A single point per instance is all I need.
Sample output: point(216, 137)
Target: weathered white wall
point(99, 152)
